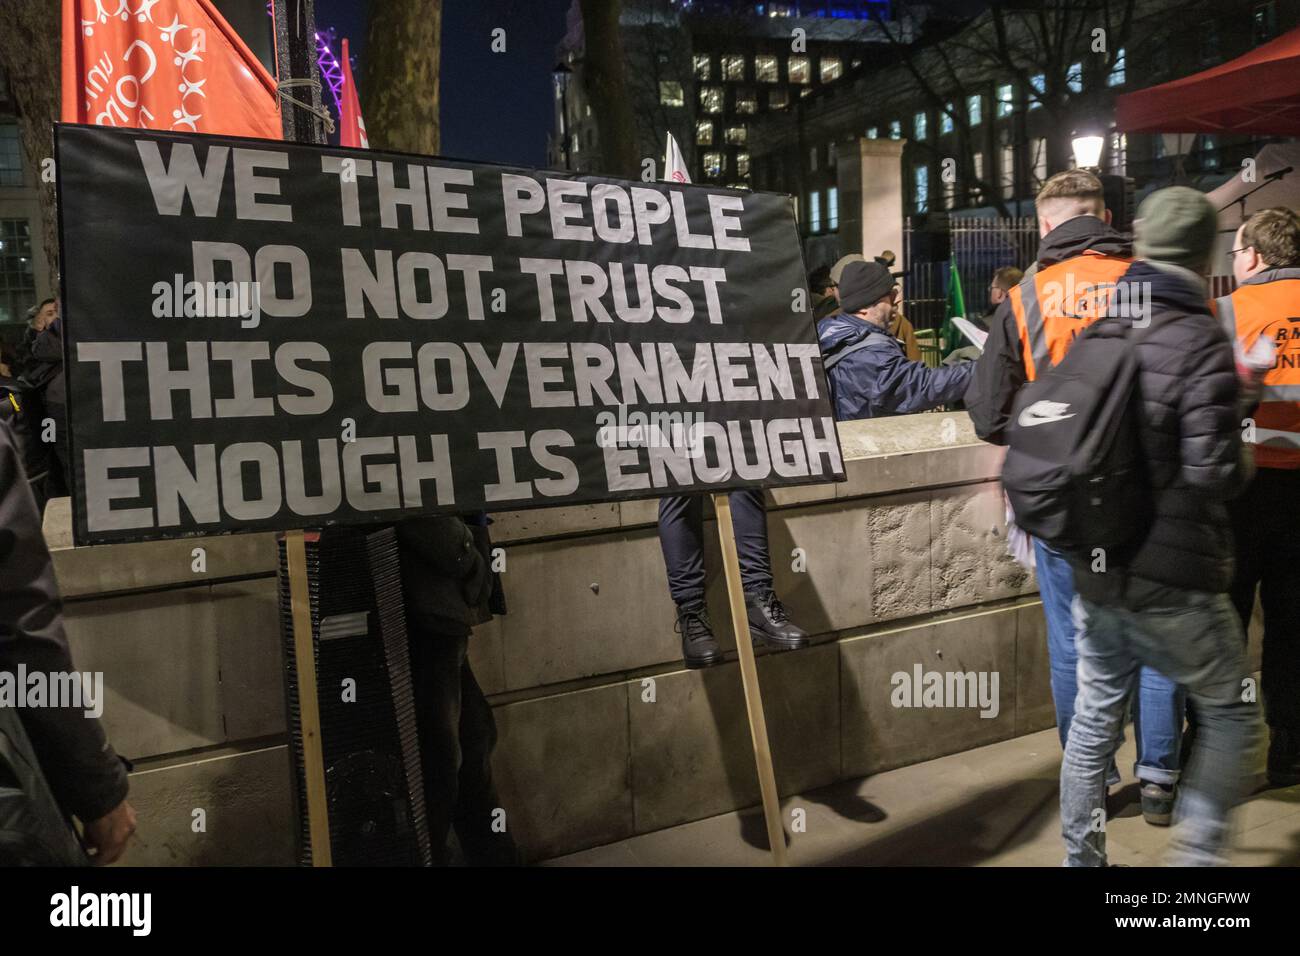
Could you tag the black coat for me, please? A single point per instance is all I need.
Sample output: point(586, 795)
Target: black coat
point(84, 773)
point(447, 581)
point(1191, 438)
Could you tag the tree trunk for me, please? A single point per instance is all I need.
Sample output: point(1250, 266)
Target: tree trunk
point(606, 82)
point(403, 56)
point(29, 54)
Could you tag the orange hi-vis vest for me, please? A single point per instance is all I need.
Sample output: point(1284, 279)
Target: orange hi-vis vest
point(1269, 304)
point(1054, 304)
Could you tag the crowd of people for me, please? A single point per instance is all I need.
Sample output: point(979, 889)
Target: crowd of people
point(1155, 634)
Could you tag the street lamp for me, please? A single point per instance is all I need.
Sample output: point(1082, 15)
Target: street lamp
point(1087, 150)
point(562, 73)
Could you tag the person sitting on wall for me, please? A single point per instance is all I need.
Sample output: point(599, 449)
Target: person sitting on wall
point(867, 370)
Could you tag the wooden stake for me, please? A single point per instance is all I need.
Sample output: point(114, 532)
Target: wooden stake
point(749, 678)
point(304, 659)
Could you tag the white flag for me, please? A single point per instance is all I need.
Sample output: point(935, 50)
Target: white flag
point(675, 163)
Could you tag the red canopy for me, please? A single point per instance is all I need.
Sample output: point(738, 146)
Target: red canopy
point(1258, 92)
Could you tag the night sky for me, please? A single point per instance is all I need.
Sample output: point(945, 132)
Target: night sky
point(496, 107)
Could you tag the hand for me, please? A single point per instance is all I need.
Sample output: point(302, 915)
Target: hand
point(108, 835)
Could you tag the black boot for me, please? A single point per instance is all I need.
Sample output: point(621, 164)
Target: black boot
point(699, 646)
point(769, 624)
point(1283, 757)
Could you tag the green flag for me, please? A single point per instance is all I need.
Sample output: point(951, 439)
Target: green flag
point(956, 307)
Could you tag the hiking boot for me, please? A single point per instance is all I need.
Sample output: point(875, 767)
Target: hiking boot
point(699, 646)
point(1157, 804)
point(1283, 758)
point(769, 623)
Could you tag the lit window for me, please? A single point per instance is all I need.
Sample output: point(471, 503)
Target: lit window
point(812, 159)
point(778, 99)
point(977, 167)
point(11, 156)
point(1118, 72)
point(921, 178)
point(797, 67)
point(1209, 151)
point(833, 208)
point(815, 212)
point(703, 67)
point(711, 99)
point(733, 68)
point(873, 132)
point(736, 135)
point(945, 121)
point(712, 165)
point(831, 68)
point(574, 143)
point(746, 100)
point(670, 93)
point(767, 69)
point(17, 275)
point(974, 110)
point(704, 132)
point(918, 126)
point(1074, 78)
point(1008, 172)
point(1264, 21)
point(1118, 153)
point(742, 164)
point(896, 129)
point(1039, 84)
point(1004, 100)
point(1039, 147)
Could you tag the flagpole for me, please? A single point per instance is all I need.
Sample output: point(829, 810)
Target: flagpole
point(295, 54)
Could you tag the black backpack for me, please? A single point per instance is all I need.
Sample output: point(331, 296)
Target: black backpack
point(1075, 473)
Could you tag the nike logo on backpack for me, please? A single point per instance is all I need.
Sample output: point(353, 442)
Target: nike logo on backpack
point(1042, 412)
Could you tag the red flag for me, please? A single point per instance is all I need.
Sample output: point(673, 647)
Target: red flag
point(163, 64)
point(352, 129)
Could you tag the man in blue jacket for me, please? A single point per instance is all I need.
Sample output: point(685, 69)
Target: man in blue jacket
point(869, 373)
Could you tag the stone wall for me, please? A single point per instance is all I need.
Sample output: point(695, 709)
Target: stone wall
point(905, 564)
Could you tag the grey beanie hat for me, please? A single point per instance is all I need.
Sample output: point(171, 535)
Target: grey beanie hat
point(1176, 225)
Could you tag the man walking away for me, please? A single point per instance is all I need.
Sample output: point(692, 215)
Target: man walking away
point(1080, 257)
point(1161, 600)
point(1266, 524)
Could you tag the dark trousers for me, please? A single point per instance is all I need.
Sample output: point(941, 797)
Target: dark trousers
point(681, 535)
point(457, 734)
point(1266, 525)
point(58, 481)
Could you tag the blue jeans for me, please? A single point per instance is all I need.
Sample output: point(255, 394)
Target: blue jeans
point(1199, 644)
point(1158, 705)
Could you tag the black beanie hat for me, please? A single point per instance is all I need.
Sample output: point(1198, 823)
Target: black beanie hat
point(863, 284)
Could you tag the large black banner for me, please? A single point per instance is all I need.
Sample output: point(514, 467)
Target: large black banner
point(266, 335)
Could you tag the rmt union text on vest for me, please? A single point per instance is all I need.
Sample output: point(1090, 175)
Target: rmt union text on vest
point(1089, 301)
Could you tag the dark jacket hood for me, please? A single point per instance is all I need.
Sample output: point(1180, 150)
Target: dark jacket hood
point(1169, 288)
point(1076, 236)
point(841, 329)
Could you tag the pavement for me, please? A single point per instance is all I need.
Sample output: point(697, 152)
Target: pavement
point(992, 806)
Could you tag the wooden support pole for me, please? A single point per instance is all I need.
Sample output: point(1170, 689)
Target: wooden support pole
point(313, 756)
point(749, 678)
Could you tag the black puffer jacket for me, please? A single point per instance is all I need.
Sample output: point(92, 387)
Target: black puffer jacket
point(1191, 436)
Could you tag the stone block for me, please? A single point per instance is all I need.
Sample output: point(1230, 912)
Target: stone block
point(877, 735)
point(159, 656)
point(586, 606)
point(561, 767)
point(246, 620)
point(247, 812)
point(970, 560)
